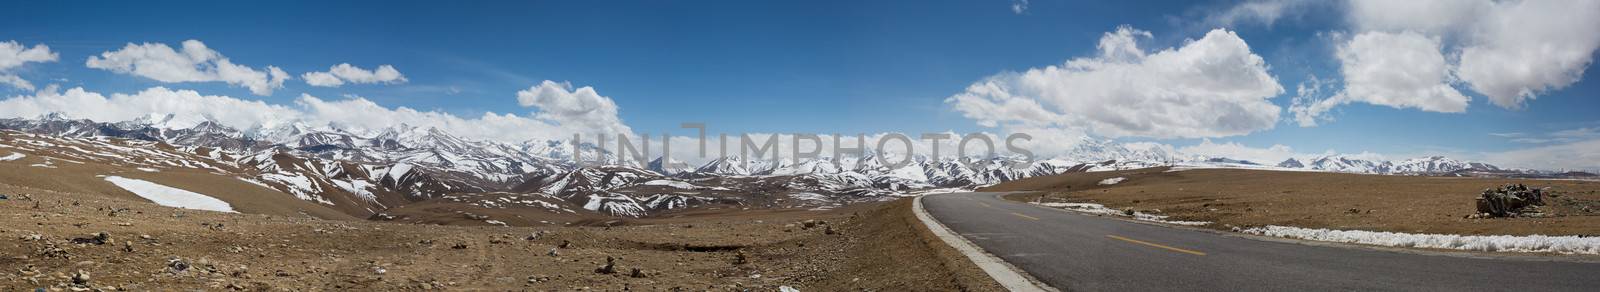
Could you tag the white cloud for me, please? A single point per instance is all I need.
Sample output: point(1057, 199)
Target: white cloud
point(1509, 51)
point(1210, 87)
point(323, 79)
point(1266, 12)
point(360, 113)
point(1271, 155)
point(1428, 16)
point(582, 108)
point(1526, 48)
point(13, 55)
point(338, 75)
point(1562, 136)
point(194, 62)
point(81, 103)
point(356, 114)
point(1019, 6)
point(1579, 155)
point(1400, 70)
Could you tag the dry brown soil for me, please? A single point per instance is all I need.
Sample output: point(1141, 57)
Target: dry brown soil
point(1234, 197)
point(876, 247)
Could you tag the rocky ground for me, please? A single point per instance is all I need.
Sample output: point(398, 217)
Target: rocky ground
point(80, 242)
point(1249, 198)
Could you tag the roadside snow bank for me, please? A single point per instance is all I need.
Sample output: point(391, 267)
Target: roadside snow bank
point(169, 196)
point(1491, 243)
point(939, 191)
point(1112, 181)
point(1099, 209)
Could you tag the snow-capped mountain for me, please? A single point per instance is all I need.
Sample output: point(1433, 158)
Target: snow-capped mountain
point(668, 166)
point(366, 171)
point(1438, 164)
point(1344, 163)
point(1291, 163)
point(727, 166)
point(1431, 165)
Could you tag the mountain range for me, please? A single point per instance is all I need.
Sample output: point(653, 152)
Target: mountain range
point(364, 172)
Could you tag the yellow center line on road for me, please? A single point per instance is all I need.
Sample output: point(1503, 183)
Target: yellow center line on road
point(1024, 216)
point(1156, 245)
point(985, 204)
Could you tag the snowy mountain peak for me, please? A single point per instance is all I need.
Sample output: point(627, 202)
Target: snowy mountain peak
point(729, 165)
point(669, 167)
point(53, 116)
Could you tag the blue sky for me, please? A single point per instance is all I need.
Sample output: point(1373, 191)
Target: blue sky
point(759, 66)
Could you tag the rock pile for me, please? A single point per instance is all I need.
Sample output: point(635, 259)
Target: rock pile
point(1512, 200)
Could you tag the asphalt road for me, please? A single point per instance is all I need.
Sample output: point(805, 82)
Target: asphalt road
point(1077, 252)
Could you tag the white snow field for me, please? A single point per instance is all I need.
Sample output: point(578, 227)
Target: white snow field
point(169, 196)
point(669, 183)
point(1112, 181)
point(1490, 243)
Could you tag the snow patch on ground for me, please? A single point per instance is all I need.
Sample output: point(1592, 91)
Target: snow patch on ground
point(669, 183)
point(360, 188)
point(1112, 181)
point(807, 196)
point(1099, 209)
point(147, 169)
point(616, 204)
point(1490, 243)
point(170, 196)
point(13, 156)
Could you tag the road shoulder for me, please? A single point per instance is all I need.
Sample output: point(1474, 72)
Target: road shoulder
point(1004, 273)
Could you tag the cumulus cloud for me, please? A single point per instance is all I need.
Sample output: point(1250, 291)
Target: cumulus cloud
point(1400, 70)
point(1524, 48)
point(356, 114)
point(193, 62)
point(1509, 51)
point(343, 73)
point(1019, 6)
point(1210, 87)
point(13, 55)
point(581, 108)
